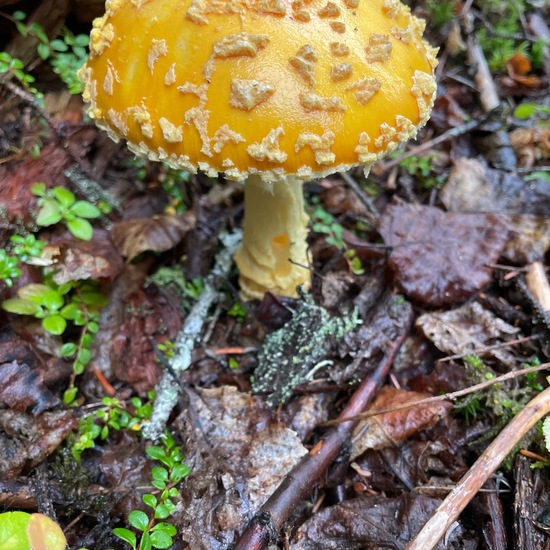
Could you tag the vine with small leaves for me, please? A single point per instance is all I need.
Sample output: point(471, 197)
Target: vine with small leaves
point(152, 530)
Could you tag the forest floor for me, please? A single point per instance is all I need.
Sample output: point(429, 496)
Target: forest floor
point(436, 264)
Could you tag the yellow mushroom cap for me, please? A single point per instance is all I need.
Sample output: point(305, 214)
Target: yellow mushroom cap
point(270, 87)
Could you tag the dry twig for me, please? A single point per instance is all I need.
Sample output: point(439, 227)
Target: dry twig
point(449, 510)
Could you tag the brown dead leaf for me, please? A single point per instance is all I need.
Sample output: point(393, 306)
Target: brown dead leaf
point(158, 233)
point(375, 523)
point(27, 440)
point(440, 258)
point(529, 239)
point(468, 330)
point(21, 388)
point(531, 145)
point(392, 428)
point(240, 455)
point(81, 260)
point(474, 187)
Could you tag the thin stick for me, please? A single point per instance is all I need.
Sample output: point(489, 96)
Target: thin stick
point(168, 390)
point(449, 510)
point(445, 397)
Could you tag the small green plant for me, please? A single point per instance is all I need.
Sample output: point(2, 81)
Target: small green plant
point(60, 204)
point(324, 222)
point(441, 13)
point(152, 531)
point(26, 247)
point(16, 68)
point(77, 302)
point(238, 312)
point(527, 110)
point(9, 269)
point(112, 415)
point(422, 168)
point(168, 349)
point(66, 54)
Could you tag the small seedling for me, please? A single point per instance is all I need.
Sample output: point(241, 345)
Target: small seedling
point(112, 416)
point(60, 204)
point(77, 302)
point(9, 269)
point(238, 312)
point(152, 531)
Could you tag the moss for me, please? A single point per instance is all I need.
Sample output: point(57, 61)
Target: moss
point(290, 355)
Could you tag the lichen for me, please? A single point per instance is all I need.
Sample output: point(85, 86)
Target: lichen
point(291, 354)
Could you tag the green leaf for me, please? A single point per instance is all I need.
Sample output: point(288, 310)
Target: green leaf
point(145, 543)
point(33, 292)
point(163, 511)
point(84, 356)
point(168, 528)
point(138, 519)
point(78, 368)
point(70, 395)
point(85, 209)
point(81, 229)
point(68, 349)
point(38, 189)
point(49, 214)
point(65, 197)
point(58, 45)
point(55, 324)
point(159, 473)
point(52, 300)
point(150, 500)
point(179, 472)
point(525, 111)
point(19, 15)
point(43, 50)
point(160, 539)
point(95, 299)
point(126, 535)
point(71, 311)
point(13, 535)
point(156, 452)
point(20, 306)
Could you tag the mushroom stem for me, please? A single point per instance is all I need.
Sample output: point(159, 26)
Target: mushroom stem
point(273, 256)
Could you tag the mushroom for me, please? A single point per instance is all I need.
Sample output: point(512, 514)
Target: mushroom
point(268, 92)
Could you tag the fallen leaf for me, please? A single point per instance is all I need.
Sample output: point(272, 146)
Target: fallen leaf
point(375, 523)
point(468, 329)
point(392, 428)
point(81, 260)
point(27, 440)
point(473, 187)
point(440, 258)
point(21, 388)
point(239, 454)
point(158, 233)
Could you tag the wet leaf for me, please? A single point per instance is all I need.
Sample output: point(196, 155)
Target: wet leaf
point(31, 438)
point(473, 187)
point(21, 388)
point(392, 428)
point(373, 523)
point(158, 234)
point(468, 330)
point(441, 257)
point(81, 260)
